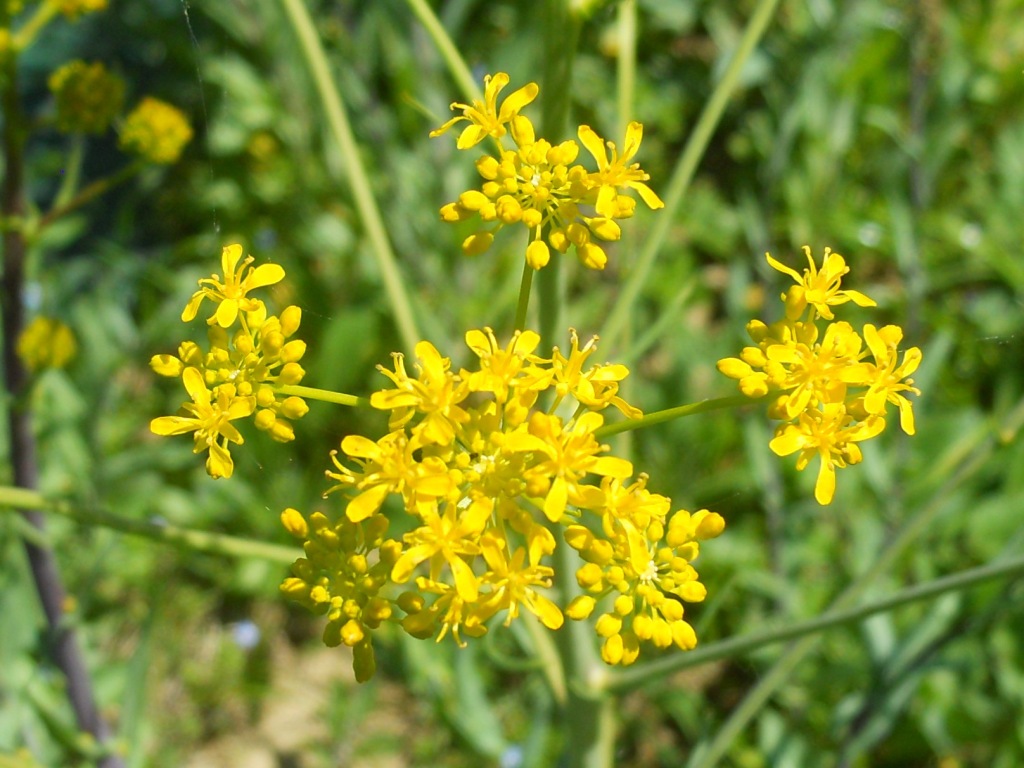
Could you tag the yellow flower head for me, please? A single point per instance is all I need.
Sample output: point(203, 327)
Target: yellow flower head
point(75, 8)
point(209, 416)
point(244, 371)
point(231, 294)
point(818, 288)
point(614, 174)
point(156, 131)
point(494, 483)
point(46, 343)
point(88, 97)
point(828, 396)
point(486, 118)
point(539, 185)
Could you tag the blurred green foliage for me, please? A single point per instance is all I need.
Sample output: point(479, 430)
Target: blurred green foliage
point(892, 132)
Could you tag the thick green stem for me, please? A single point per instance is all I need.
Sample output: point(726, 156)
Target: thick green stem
point(183, 538)
point(683, 174)
point(326, 395)
point(629, 679)
point(678, 412)
point(369, 213)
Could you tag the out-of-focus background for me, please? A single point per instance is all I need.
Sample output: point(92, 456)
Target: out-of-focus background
point(892, 132)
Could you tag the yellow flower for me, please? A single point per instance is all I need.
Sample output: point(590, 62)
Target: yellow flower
point(831, 397)
point(485, 118)
point(156, 131)
point(613, 174)
point(88, 97)
point(818, 289)
point(830, 434)
point(230, 296)
point(889, 379)
point(435, 394)
point(210, 417)
point(46, 343)
point(446, 539)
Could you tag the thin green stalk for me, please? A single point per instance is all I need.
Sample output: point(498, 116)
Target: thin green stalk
point(626, 65)
point(685, 168)
point(678, 412)
point(85, 195)
point(796, 653)
point(628, 679)
point(524, 296)
point(309, 42)
point(183, 538)
point(326, 395)
point(43, 15)
point(457, 66)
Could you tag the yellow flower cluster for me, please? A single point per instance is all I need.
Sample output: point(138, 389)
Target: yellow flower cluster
point(46, 343)
point(498, 465)
point(250, 358)
point(539, 185)
point(825, 389)
point(88, 97)
point(156, 131)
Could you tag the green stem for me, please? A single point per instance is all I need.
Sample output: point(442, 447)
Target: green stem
point(85, 195)
point(326, 395)
point(626, 64)
point(795, 654)
point(173, 535)
point(678, 412)
point(43, 15)
point(629, 679)
point(524, 296)
point(309, 42)
point(683, 174)
point(457, 66)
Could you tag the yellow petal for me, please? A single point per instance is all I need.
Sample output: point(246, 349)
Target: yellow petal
point(825, 487)
point(227, 312)
point(265, 274)
point(594, 144)
point(517, 100)
point(366, 504)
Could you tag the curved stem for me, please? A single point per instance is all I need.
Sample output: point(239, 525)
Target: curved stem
point(176, 536)
point(683, 174)
point(737, 646)
point(678, 412)
point(457, 66)
point(326, 395)
point(309, 42)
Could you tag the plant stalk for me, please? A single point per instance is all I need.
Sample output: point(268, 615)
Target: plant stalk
point(66, 652)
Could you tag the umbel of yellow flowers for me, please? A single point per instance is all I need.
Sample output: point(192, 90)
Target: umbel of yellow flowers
point(538, 184)
point(830, 386)
point(498, 466)
point(250, 356)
